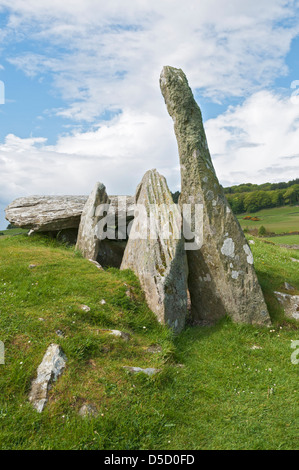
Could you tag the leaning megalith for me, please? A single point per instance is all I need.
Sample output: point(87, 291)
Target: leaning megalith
point(155, 251)
point(88, 242)
point(222, 279)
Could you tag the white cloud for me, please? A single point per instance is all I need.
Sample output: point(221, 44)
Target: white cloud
point(117, 153)
point(107, 55)
point(256, 141)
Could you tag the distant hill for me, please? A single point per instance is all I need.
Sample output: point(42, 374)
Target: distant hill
point(253, 197)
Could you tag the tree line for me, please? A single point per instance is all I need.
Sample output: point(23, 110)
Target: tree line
point(252, 197)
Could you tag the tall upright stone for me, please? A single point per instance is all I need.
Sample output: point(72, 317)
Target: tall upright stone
point(222, 279)
point(88, 242)
point(158, 257)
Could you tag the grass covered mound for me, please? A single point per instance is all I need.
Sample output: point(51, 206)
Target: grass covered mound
point(223, 387)
point(279, 219)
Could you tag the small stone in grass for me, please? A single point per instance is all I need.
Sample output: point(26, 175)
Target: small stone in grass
point(88, 410)
point(148, 371)
point(85, 308)
point(154, 348)
point(121, 334)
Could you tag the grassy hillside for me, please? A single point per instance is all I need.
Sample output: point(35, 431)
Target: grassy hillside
point(214, 390)
point(13, 231)
point(278, 220)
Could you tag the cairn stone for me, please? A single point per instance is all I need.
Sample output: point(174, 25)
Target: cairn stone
point(51, 367)
point(158, 257)
point(52, 213)
point(46, 213)
point(222, 278)
point(87, 241)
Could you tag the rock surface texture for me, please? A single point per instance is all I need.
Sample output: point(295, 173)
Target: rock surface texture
point(290, 304)
point(222, 278)
point(88, 410)
point(136, 370)
point(48, 371)
point(87, 241)
point(160, 260)
point(46, 213)
point(52, 213)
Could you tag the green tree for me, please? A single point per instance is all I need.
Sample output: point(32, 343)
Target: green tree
point(291, 195)
point(262, 231)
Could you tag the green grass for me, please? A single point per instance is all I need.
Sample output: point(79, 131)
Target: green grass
point(274, 267)
point(224, 395)
point(279, 220)
point(13, 231)
point(285, 240)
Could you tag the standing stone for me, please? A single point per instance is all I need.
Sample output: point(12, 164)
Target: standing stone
point(222, 278)
point(87, 241)
point(290, 304)
point(48, 371)
point(159, 260)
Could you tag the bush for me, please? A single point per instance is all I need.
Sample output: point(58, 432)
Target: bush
point(262, 231)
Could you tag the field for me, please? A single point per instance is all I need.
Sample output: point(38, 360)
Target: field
point(284, 240)
point(213, 392)
point(13, 231)
point(279, 220)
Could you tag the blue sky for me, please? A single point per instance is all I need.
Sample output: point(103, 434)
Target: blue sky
point(82, 99)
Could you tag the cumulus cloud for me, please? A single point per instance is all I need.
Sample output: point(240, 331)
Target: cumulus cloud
point(117, 153)
point(107, 56)
point(252, 141)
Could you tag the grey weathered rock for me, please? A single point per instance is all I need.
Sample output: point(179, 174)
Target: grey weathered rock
point(46, 213)
point(120, 334)
point(87, 241)
point(88, 410)
point(160, 262)
point(52, 213)
point(290, 304)
point(148, 371)
point(288, 286)
point(59, 333)
point(48, 371)
point(222, 278)
point(154, 349)
point(85, 308)
point(97, 265)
